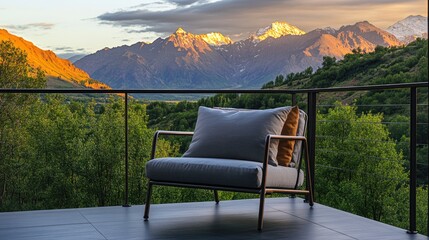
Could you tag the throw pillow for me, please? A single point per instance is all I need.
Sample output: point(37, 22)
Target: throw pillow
point(286, 147)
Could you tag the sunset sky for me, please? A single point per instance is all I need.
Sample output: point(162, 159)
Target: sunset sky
point(85, 26)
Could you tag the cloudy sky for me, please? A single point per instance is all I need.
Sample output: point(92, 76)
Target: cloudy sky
point(85, 26)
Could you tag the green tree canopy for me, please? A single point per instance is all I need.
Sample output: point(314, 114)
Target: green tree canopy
point(358, 167)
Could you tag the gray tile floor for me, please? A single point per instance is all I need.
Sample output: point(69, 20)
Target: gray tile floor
point(285, 218)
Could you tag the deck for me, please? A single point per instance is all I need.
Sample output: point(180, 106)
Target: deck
point(285, 218)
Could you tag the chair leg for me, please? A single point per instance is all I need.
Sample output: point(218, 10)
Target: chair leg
point(261, 210)
point(216, 196)
point(311, 201)
point(147, 205)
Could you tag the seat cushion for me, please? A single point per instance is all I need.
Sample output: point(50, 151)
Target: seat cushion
point(236, 134)
point(220, 172)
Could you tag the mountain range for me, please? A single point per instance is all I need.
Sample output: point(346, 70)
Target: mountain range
point(212, 60)
point(60, 72)
point(187, 60)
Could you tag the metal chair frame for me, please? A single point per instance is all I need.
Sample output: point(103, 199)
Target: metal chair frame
point(262, 191)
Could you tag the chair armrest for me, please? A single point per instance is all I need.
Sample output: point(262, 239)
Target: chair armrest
point(164, 132)
point(180, 133)
point(278, 137)
point(298, 138)
point(267, 151)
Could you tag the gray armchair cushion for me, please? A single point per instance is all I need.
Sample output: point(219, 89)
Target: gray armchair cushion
point(230, 134)
point(221, 172)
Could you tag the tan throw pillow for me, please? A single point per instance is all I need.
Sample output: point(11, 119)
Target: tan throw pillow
point(285, 149)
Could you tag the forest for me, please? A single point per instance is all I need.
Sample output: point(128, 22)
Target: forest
point(61, 152)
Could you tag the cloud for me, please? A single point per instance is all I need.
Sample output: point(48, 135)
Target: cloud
point(30, 26)
point(68, 50)
point(226, 15)
point(150, 4)
point(235, 17)
point(135, 31)
point(184, 2)
point(63, 49)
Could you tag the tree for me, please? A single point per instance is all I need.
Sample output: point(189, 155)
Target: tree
point(328, 61)
point(308, 71)
point(15, 72)
point(279, 80)
point(358, 167)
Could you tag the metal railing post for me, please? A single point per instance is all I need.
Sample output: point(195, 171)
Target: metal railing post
point(293, 99)
point(413, 162)
point(311, 134)
point(126, 204)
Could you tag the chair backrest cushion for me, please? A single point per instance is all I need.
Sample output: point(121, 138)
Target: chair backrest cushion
point(236, 134)
point(289, 123)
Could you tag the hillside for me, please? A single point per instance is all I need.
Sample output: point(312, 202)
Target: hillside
point(383, 66)
point(190, 61)
point(59, 72)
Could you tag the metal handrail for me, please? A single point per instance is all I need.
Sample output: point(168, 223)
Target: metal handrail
point(207, 91)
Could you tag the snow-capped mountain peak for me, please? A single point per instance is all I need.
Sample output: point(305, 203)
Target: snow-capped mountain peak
point(216, 39)
point(180, 31)
point(276, 30)
point(410, 28)
point(213, 38)
point(329, 30)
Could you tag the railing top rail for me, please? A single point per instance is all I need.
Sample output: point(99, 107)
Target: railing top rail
point(208, 91)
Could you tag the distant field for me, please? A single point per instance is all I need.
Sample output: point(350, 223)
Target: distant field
point(59, 83)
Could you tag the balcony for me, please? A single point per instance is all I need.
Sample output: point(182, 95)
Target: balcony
point(285, 217)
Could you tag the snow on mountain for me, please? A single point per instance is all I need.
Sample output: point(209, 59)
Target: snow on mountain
point(189, 41)
point(328, 30)
point(410, 28)
point(276, 30)
point(180, 31)
point(213, 38)
point(216, 39)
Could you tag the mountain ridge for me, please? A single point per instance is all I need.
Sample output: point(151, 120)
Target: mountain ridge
point(56, 69)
